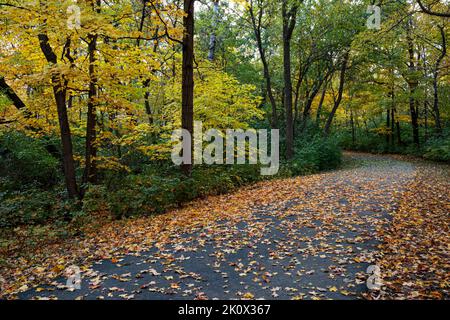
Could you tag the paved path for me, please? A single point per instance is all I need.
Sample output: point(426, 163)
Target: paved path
point(315, 241)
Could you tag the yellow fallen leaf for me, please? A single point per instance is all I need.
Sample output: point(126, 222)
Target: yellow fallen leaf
point(248, 295)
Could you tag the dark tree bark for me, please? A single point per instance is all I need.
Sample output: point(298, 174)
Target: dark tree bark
point(59, 85)
point(430, 12)
point(352, 124)
point(141, 23)
point(437, 116)
point(10, 94)
point(399, 132)
point(392, 125)
point(302, 70)
point(148, 107)
point(90, 169)
point(339, 97)
point(256, 23)
point(388, 125)
point(289, 16)
point(311, 96)
point(412, 84)
point(319, 107)
point(188, 76)
point(146, 82)
point(213, 36)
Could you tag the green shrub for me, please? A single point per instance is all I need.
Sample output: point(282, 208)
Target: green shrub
point(151, 188)
point(151, 194)
point(315, 155)
point(26, 161)
point(32, 206)
point(438, 149)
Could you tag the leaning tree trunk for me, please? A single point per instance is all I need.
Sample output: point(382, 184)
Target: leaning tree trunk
point(59, 90)
point(310, 98)
point(256, 23)
point(187, 118)
point(339, 98)
point(319, 107)
point(10, 94)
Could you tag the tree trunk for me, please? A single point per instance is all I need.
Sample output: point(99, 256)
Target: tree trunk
point(339, 98)
point(437, 116)
point(392, 125)
point(256, 22)
point(399, 133)
point(412, 84)
point(148, 108)
point(188, 76)
point(10, 94)
point(146, 82)
point(90, 169)
point(392, 93)
point(388, 125)
point(59, 90)
point(289, 19)
point(352, 123)
point(213, 37)
point(307, 110)
point(319, 108)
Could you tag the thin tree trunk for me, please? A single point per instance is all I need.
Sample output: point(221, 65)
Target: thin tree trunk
point(311, 97)
point(425, 109)
point(392, 111)
point(289, 20)
point(146, 82)
point(256, 22)
point(141, 24)
point(188, 76)
point(213, 37)
point(412, 84)
point(319, 108)
point(352, 123)
point(148, 108)
point(437, 116)
point(341, 90)
point(301, 76)
point(388, 125)
point(392, 125)
point(399, 133)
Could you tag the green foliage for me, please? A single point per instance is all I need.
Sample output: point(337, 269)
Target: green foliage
point(365, 142)
point(438, 149)
point(314, 155)
point(32, 206)
point(25, 160)
point(152, 187)
point(152, 194)
point(435, 148)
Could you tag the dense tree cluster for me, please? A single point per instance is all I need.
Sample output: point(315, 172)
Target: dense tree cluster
point(120, 75)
